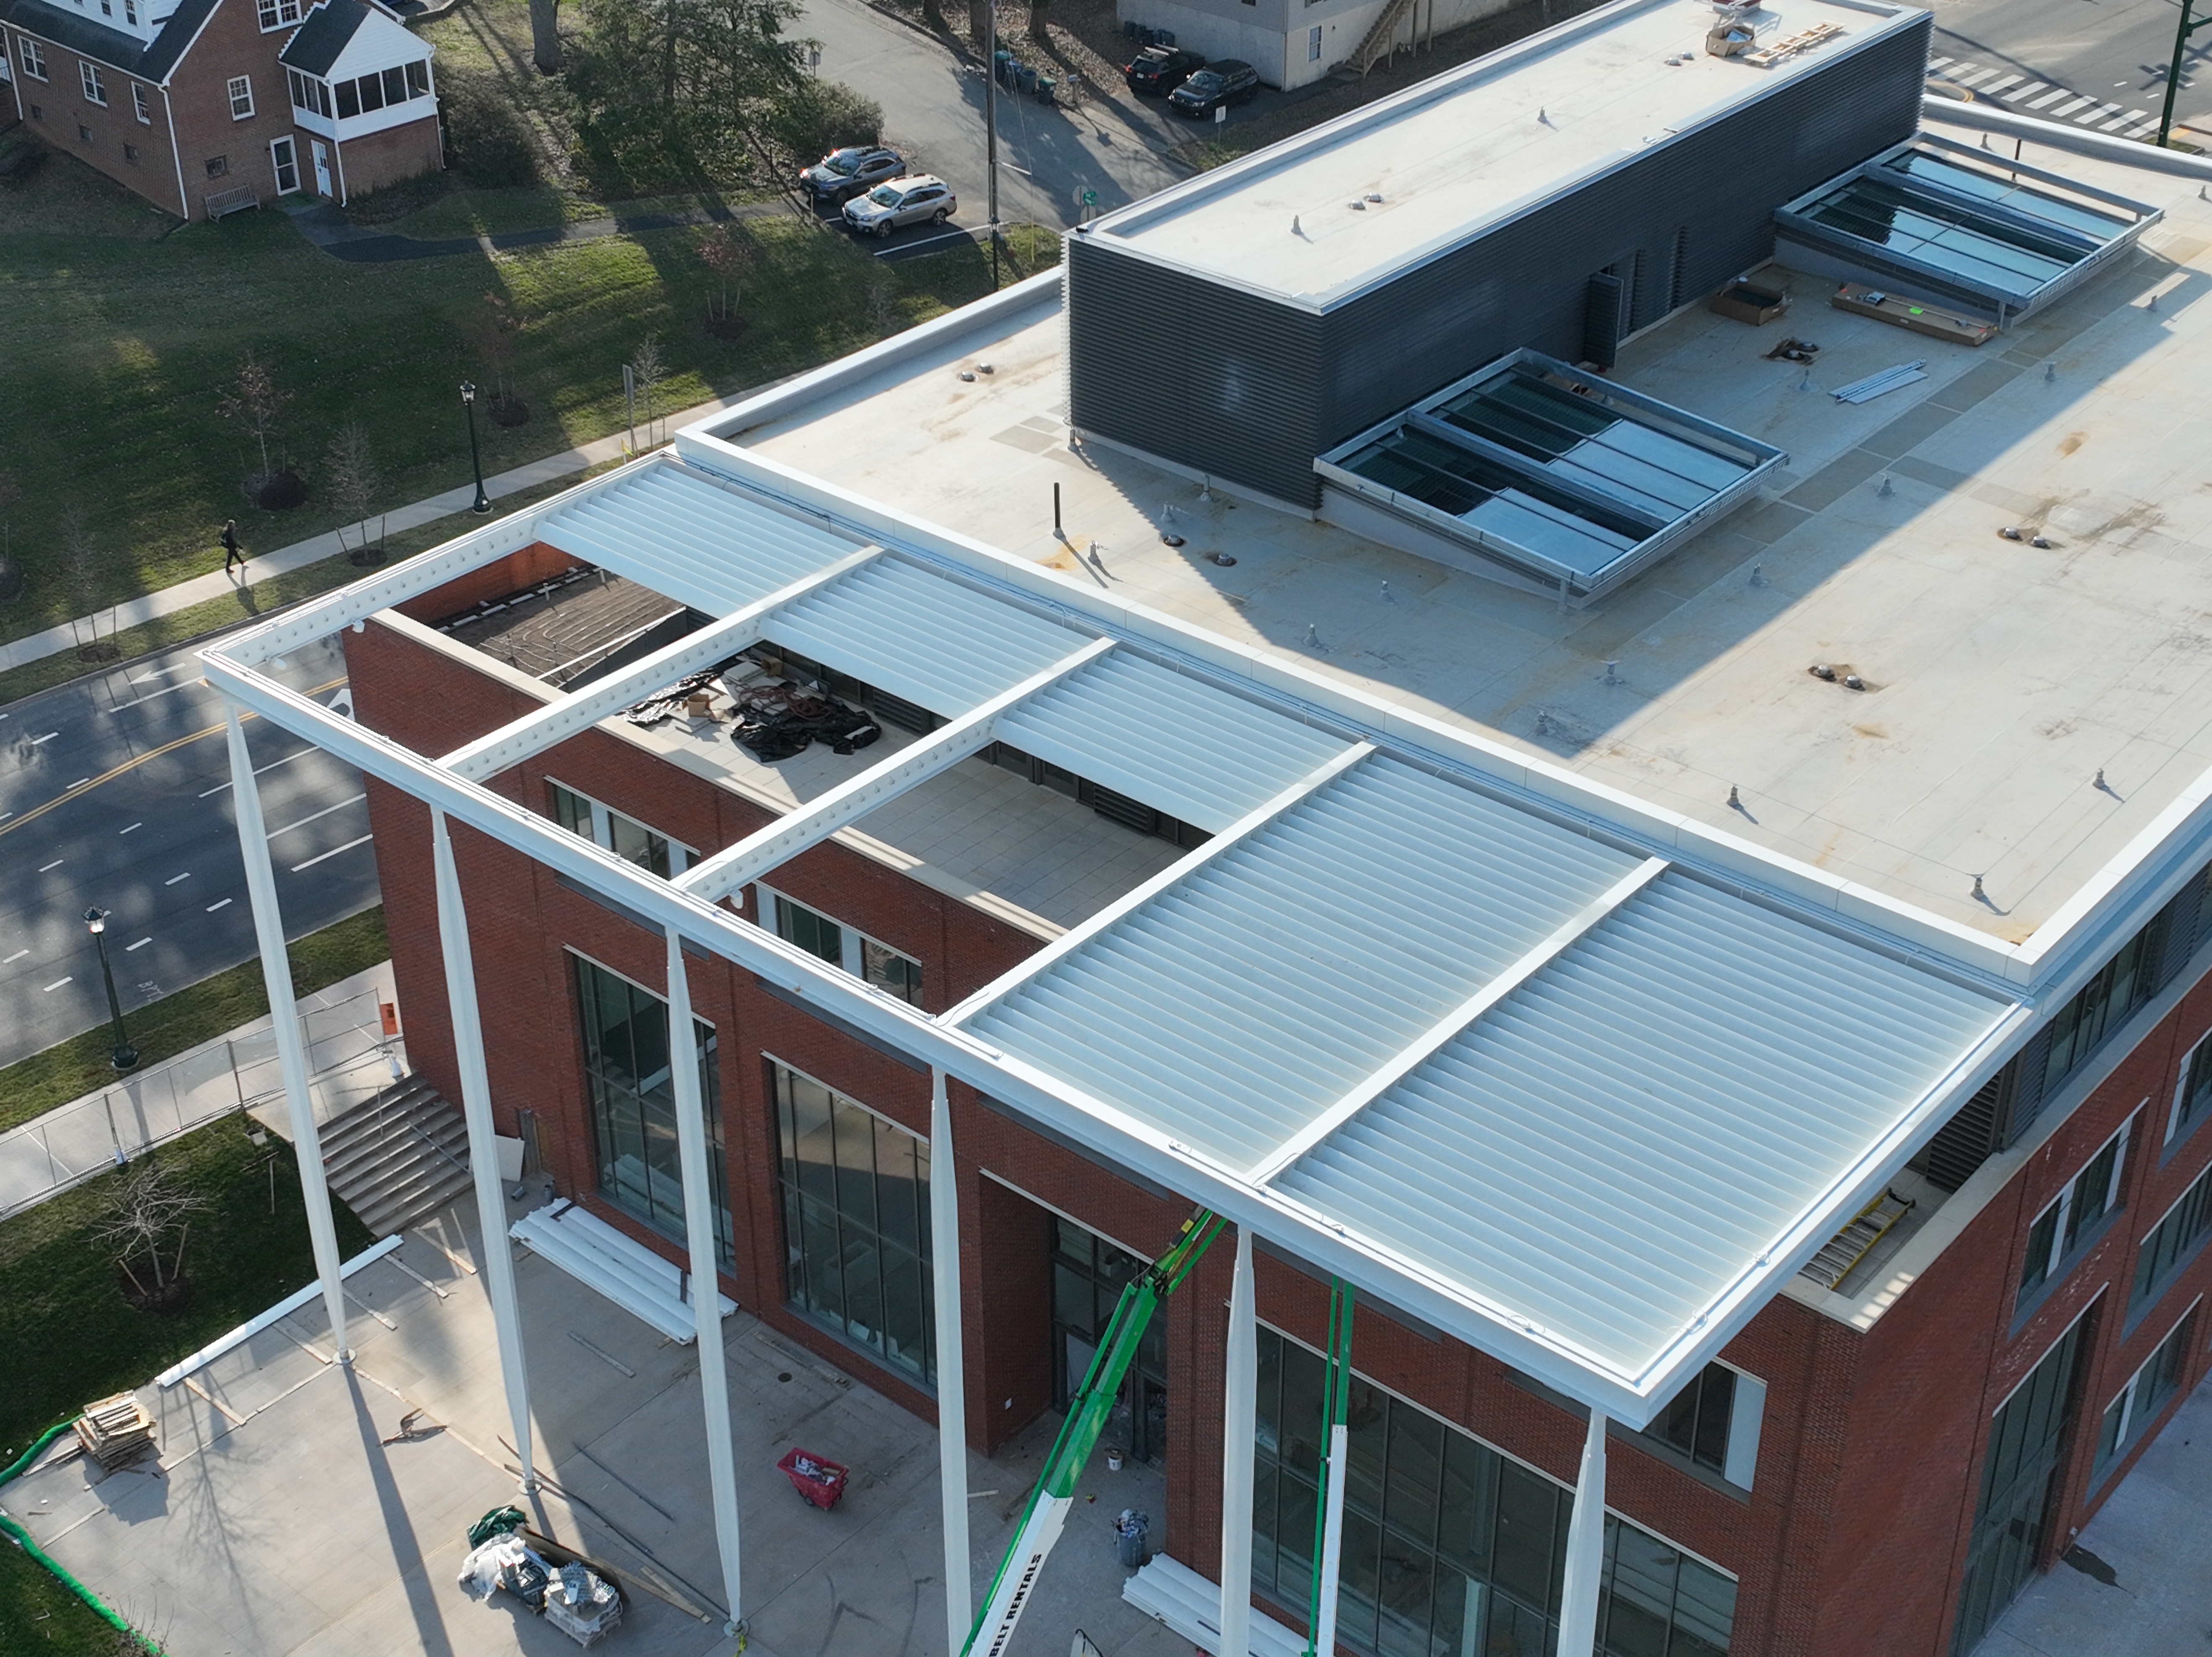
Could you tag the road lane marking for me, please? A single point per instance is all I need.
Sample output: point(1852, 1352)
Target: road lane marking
point(56, 864)
point(223, 904)
point(2064, 110)
point(324, 812)
point(56, 985)
point(259, 770)
point(135, 825)
point(2027, 91)
point(1995, 86)
point(140, 945)
point(79, 783)
point(170, 746)
point(174, 879)
point(1969, 79)
point(49, 736)
point(2049, 98)
point(13, 958)
point(332, 853)
point(166, 690)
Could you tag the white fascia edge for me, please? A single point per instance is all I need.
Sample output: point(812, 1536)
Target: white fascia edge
point(284, 1308)
point(1509, 1338)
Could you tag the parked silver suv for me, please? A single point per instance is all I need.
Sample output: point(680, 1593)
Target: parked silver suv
point(852, 171)
point(921, 198)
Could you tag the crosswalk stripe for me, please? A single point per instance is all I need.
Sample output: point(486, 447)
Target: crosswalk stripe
point(1995, 86)
point(2018, 92)
point(1937, 63)
point(1978, 74)
point(2140, 129)
point(2067, 109)
point(2098, 114)
point(2132, 115)
point(2051, 98)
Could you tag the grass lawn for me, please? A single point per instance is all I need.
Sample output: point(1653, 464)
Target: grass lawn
point(122, 339)
point(244, 1253)
point(161, 1029)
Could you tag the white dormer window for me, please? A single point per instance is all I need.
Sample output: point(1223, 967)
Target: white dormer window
point(107, 8)
point(95, 90)
point(276, 14)
point(241, 93)
point(130, 12)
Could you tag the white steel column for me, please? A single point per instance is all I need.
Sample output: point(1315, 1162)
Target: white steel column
point(1585, 1547)
point(952, 1368)
point(284, 1016)
point(483, 1147)
point(1239, 1432)
point(706, 1277)
point(1332, 1540)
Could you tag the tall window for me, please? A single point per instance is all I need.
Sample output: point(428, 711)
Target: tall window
point(626, 837)
point(1088, 1276)
point(2172, 1241)
point(633, 1104)
point(95, 90)
point(309, 95)
point(1450, 1548)
point(2130, 1415)
point(2061, 1229)
point(2081, 1026)
point(1715, 1422)
point(856, 1223)
point(34, 58)
point(239, 92)
point(878, 964)
point(141, 103)
point(2192, 1093)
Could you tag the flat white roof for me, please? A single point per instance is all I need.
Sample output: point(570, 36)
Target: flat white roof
point(1474, 147)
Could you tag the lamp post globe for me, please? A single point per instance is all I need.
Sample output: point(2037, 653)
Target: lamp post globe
point(123, 1056)
point(481, 504)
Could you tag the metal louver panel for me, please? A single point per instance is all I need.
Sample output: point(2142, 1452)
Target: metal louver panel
point(1611, 1149)
point(1239, 1003)
point(706, 547)
point(1178, 745)
point(927, 640)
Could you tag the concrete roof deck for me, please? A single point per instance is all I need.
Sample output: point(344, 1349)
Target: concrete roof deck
point(1472, 147)
point(2003, 678)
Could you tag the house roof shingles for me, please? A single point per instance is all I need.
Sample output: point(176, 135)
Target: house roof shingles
point(330, 28)
point(110, 47)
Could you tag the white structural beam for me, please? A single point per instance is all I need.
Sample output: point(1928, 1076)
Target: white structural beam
point(1585, 1547)
point(717, 877)
point(1332, 1540)
point(1069, 942)
point(1409, 1058)
point(706, 1272)
point(483, 1146)
point(539, 729)
point(1239, 1432)
point(952, 1366)
point(284, 1022)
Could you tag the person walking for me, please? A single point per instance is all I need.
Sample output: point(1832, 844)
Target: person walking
point(232, 552)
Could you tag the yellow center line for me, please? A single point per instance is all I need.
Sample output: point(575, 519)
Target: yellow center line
point(84, 788)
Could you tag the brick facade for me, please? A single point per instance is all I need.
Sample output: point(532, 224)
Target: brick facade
point(1854, 1533)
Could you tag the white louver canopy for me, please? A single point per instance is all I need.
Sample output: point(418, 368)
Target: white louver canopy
point(1580, 1102)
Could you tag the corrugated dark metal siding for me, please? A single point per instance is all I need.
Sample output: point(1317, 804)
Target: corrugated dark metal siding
point(1222, 382)
point(1249, 390)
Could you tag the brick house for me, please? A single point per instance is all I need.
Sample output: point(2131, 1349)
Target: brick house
point(1824, 985)
point(205, 105)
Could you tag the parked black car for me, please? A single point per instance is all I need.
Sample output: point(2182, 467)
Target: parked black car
point(1225, 80)
point(1158, 70)
point(852, 171)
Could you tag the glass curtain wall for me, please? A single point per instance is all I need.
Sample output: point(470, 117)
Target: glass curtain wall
point(634, 1105)
point(856, 1223)
point(1088, 1276)
point(1452, 1549)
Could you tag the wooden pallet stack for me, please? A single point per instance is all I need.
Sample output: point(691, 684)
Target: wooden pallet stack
point(116, 1431)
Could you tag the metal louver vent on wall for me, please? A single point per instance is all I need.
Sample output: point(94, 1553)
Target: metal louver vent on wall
point(1602, 304)
point(1966, 1141)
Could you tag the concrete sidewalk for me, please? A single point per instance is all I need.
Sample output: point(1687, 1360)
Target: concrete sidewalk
point(200, 589)
point(302, 1507)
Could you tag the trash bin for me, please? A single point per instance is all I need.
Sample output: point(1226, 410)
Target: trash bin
point(1046, 86)
point(1129, 1533)
point(1025, 78)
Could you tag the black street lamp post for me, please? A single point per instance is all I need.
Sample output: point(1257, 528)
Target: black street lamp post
point(483, 502)
point(126, 1057)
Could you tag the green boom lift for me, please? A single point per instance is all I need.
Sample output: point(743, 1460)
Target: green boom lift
point(1046, 1511)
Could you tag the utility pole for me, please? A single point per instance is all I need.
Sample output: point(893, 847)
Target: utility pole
point(2181, 34)
point(991, 127)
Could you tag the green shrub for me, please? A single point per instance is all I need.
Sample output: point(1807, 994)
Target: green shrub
point(489, 141)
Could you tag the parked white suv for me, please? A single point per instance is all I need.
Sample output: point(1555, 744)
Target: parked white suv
point(920, 198)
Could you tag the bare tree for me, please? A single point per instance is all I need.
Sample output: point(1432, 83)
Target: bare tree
point(651, 373)
point(352, 481)
point(729, 256)
point(148, 1209)
point(255, 400)
point(491, 336)
point(883, 311)
point(81, 563)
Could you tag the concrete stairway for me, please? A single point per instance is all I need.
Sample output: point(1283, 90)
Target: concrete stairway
point(403, 1155)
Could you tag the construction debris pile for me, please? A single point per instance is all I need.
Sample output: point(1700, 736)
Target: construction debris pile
point(776, 721)
point(116, 1431)
point(560, 1586)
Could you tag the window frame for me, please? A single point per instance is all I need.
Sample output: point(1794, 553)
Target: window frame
point(2095, 1005)
point(2144, 1292)
point(271, 14)
point(90, 81)
point(33, 57)
point(289, 163)
point(854, 944)
point(2136, 1418)
point(142, 103)
point(1747, 1416)
point(2069, 1236)
point(2181, 1123)
point(239, 88)
point(681, 857)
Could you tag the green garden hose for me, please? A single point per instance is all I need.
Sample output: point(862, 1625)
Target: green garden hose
point(22, 1538)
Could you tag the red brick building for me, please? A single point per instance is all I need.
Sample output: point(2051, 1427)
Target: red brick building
point(1756, 1091)
point(191, 103)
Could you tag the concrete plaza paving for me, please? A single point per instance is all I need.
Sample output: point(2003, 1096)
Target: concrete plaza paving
point(2138, 1582)
point(301, 1507)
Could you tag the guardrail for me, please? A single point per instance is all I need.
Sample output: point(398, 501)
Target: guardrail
point(352, 1061)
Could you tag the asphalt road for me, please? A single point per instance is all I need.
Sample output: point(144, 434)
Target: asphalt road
point(115, 793)
point(2096, 63)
